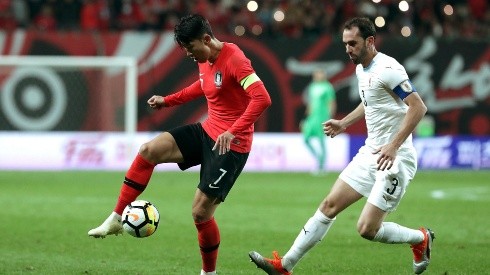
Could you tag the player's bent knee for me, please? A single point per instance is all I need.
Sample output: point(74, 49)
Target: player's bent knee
point(151, 152)
point(145, 151)
point(160, 150)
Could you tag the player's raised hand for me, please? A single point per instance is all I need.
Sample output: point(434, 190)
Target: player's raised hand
point(333, 127)
point(155, 102)
point(223, 142)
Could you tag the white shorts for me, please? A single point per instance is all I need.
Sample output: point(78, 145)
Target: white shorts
point(384, 189)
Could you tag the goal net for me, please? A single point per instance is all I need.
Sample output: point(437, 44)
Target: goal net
point(61, 93)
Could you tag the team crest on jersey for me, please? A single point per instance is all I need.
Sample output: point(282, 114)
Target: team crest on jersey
point(218, 79)
point(406, 86)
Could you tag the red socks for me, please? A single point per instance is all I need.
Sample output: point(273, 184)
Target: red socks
point(135, 182)
point(209, 239)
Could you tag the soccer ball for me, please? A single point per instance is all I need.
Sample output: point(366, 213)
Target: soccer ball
point(140, 218)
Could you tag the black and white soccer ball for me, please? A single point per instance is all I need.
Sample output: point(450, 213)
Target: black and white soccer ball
point(140, 219)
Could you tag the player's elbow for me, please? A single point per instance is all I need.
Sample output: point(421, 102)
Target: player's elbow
point(265, 97)
point(260, 95)
point(267, 101)
point(264, 101)
point(418, 108)
point(424, 108)
point(421, 110)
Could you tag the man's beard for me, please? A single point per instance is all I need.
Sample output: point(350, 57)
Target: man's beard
point(362, 55)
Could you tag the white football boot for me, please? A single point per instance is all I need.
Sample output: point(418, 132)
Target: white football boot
point(111, 226)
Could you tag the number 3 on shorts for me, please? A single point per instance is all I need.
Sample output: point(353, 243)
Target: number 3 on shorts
point(394, 184)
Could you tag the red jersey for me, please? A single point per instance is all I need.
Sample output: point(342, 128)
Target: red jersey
point(230, 107)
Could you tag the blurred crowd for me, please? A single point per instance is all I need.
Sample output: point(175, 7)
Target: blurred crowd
point(294, 18)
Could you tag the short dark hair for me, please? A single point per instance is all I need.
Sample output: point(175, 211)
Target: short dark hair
point(191, 27)
point(365, 25)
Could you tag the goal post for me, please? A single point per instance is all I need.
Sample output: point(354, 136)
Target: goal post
point(36, 92)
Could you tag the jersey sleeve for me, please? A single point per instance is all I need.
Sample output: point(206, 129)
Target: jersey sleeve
point(260, 100)
point(396, 79)
point(185, 95)
point(240, 66)
point(244, 74)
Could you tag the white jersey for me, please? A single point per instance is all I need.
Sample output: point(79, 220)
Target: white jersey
point(382, 87)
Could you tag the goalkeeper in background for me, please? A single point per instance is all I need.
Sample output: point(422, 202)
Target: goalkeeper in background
point(321, 106)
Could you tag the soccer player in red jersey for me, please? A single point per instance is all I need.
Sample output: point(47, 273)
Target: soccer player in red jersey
point(236, 98)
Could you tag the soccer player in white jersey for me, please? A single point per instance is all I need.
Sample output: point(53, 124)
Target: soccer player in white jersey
point(383, 167)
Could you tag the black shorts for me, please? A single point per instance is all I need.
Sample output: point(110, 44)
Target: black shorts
point(218, 172)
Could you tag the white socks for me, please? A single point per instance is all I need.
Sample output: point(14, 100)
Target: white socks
point(313, 232)
point(208, 273)
point(317, 227)
point(390, 232)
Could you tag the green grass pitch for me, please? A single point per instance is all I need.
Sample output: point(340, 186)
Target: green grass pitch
point(46, 215)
